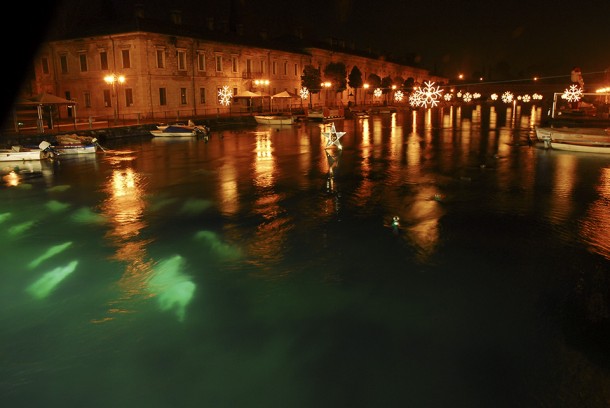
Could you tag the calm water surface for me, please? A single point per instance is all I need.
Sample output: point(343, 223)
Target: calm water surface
point(261, 269)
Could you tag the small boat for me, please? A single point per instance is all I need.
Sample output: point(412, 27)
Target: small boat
point(75, 149)
point(75, 144)
point(22, 153)
point(180, 130)
point(325, 114)
point(274, 119)
point(579, 146)
point(589, 134)
point(360, 114)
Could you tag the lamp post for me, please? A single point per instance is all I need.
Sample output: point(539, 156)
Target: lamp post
point(114, 79)
point(366, 89)
point(326, 85)
point(262, 83)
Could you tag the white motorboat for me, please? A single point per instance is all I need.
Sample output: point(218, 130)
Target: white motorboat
point(274, 119)
point(579, 146)
point(22, 153)
point(75, 144)
point(325, 114)
point(179, 130)
point(590, 134)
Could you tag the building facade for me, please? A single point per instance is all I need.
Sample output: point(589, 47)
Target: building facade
point(146, 75)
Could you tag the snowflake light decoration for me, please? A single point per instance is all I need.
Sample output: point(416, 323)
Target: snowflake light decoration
point(507, 97)
point(573, 93)
point(476, 95)
point(448, 96)
point(429, 95)
point(304, 92)
point(377, 93)
point(526, 98)
point(399, 96)
point(415, 99)
point(467, 97)
point(225, 95)
point(536, 96)
point(494, 96)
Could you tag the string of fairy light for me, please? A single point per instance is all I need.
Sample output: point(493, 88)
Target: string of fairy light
point(523, 80)
point(430, 95)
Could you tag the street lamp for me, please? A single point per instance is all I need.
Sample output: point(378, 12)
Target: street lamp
point(262, 83)
point(114, 79)
point(326, 85)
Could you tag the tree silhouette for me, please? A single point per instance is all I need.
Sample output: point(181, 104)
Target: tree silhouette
point(409, 84)
point(336, 73)
point(311, 80)
point(374, 82)
point(399, 82)
point(354, 80)
point(386, 84)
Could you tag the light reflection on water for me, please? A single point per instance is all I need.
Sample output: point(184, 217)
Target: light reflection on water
point(260, 260)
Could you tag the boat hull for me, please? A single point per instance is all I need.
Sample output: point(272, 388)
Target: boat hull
point(163, 133)
point(326, 114)
point(15, 155)
point(75, 149)
point(575, 134)
point(585, 147)
point(274, 120)
point(180, 131)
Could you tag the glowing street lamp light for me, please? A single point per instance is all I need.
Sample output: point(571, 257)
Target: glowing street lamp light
point(326, 85)
point(114, 79)
point(262, 83)
point(366, 88)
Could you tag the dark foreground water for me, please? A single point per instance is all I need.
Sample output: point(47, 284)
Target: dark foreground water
point(260, 269)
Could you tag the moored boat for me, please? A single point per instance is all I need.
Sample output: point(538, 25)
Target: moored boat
point(274, 119)
point(75, 149)
point(22, 153)
point(589, 134)
point(180, 130)
point(75, 144)
point(325, 114)
point(579, 146)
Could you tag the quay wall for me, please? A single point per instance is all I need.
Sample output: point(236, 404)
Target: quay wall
point(109, 134)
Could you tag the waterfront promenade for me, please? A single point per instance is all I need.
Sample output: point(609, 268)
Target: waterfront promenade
point(108, 129)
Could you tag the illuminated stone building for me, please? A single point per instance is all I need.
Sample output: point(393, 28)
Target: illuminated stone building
point(174, 70)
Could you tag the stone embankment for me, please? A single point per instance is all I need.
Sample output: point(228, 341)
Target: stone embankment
point(104, 135)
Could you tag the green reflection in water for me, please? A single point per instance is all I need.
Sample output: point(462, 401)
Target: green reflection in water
point(42, 287)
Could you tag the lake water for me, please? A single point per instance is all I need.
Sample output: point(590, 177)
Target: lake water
point(439, 259)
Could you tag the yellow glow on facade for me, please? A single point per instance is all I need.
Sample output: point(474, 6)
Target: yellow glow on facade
point(114, 80)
